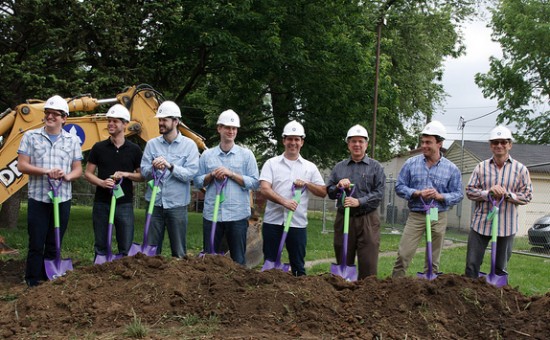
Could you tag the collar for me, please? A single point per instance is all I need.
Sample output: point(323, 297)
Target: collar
point(176, 140)
point(365, 160)
point(282, 158)
point(63, 133)
point(113, 144)
point(508, 160)
point(220, 151)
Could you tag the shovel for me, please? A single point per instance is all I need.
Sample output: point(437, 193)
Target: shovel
point(145, 248)
point(429, 275)
point(116, 192)
point(219, 199)
point(349, 273)
point(268, 264)
point(492, 277)
point(57, 267)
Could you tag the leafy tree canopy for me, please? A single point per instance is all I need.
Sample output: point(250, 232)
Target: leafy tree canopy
point(269, 60)
point(520, 80)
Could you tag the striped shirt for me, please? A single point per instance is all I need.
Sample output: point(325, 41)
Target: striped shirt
point(236, 204)
point(514, 177)
point(443, 176)
point(46, 154)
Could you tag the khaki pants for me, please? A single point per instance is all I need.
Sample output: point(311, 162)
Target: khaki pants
point(414, 231)
point(363, 239)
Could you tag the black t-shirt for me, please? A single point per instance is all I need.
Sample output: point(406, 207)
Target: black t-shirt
point(108, 160)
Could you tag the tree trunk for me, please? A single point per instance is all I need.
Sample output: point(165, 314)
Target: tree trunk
point(10, 211)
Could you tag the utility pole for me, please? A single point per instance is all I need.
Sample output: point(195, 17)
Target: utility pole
point(376, 77)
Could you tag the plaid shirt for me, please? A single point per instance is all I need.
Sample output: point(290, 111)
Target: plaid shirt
point(514, 177)
point(236, 205)
point(44, 154)
point(443, 176)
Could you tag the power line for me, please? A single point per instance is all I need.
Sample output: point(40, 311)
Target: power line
point(462, 122)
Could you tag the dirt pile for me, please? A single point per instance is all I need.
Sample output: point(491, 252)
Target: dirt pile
point(213, 298)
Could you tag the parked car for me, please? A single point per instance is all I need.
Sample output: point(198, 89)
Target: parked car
point(539, 233)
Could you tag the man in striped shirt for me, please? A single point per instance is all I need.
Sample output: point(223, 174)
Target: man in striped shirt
point(500, 177)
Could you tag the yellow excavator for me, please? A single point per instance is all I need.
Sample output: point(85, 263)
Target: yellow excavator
point(142, 101)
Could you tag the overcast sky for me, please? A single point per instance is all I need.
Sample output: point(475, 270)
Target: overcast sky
point(465, 97)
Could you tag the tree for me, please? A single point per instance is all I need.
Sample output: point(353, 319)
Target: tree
point(270, 60)
point(520, 80)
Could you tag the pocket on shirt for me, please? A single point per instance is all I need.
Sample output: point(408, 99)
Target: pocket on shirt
point(179, 159)
point(40, 150)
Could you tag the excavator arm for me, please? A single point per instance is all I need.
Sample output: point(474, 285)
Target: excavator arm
point(142, 101)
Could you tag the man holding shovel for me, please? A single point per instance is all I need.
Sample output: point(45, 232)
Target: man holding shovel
point(369, 180)
point(238, 165)
point(501, 177)
point(178, 158)
point(46, 153)
point(431, 178)
point(114, 158)
point(277, 178)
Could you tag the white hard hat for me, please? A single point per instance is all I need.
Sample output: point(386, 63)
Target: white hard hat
point(168, 109)
point(229, 118)
point(357, 130)
point(435, 128)
point(118, 111)
point(294, 128)
point(57, 103)
point(500, 132)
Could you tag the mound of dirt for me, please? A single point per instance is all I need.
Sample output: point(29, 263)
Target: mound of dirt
point(213, 298)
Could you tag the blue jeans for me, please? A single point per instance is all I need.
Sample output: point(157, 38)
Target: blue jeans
point(123, 222)
point(175, 221)
point(42, 237)
point(235, 233)
point(296, 242)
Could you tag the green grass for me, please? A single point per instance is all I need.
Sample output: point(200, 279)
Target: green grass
point(528, 273)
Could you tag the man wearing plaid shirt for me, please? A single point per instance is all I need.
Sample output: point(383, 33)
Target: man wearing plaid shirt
point(48, 152)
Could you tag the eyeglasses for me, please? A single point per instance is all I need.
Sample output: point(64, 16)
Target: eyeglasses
point(497, 142)
point(53, 113)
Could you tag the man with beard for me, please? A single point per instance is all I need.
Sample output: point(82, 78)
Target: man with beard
point(369, 180)
point(428, 177)
point(115, 159)
point(238, 165)
point(178, 158)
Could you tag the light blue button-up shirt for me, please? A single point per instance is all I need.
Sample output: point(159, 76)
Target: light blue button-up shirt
point(175, 187)
point(236, 205)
